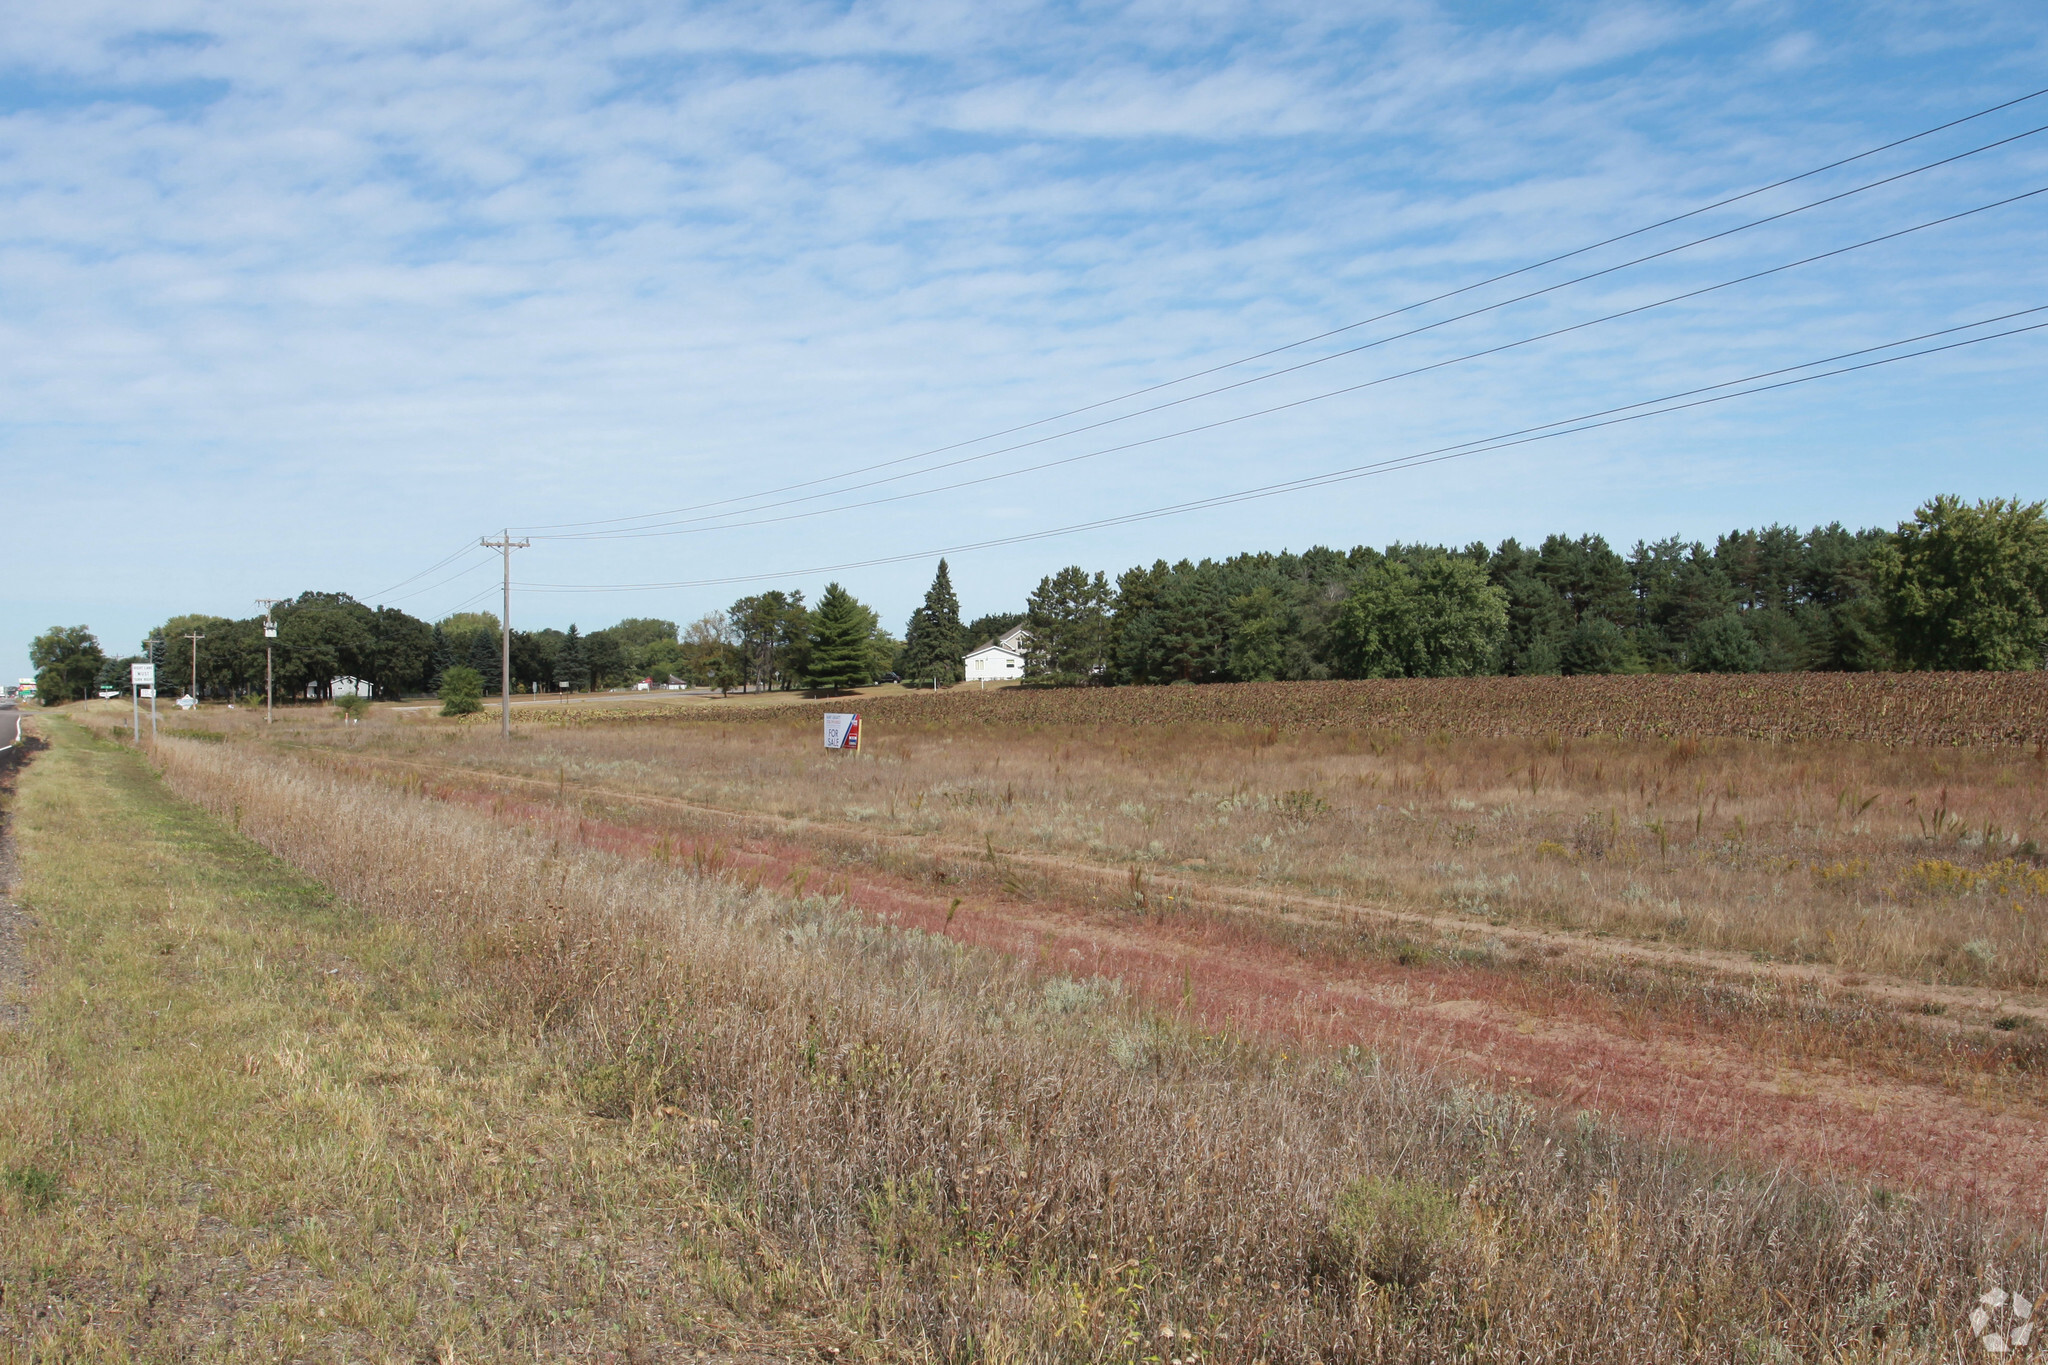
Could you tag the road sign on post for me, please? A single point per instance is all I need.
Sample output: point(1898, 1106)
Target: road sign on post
point(842, 730)
point(139, 677)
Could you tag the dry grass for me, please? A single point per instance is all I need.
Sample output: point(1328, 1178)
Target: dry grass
point(971, 1159)
point(242, 1121)
point(1924, 863)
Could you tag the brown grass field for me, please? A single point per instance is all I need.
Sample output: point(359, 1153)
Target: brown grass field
point(1250, 1023)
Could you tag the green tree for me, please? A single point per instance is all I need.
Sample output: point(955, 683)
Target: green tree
point(1724, 645)
point(439, 656)
point(1427, 614)
point(1066, 625)
point(482, 657)
point(841, 629)
point(114, 674)
point(986, 630)
point(536, 654)
point(934, 643)
point(462, 691)
point(1597, 645)
point(710, 656)
point(774, 634)
point(1965, 586)
point(572, 665)
point(67, 661)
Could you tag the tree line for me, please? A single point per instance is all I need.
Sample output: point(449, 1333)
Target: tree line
point(771, 640)
point(1959, 586)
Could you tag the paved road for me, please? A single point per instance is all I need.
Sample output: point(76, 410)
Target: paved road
point(10, 725)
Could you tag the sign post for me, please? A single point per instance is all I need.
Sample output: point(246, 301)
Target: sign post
point(139, 677)
point(842, 730)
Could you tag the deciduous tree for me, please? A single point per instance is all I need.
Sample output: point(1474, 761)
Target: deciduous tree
point(1966, 585)
point(67, 662)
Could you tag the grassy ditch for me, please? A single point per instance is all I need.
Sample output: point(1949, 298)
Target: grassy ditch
point(975, 1157)
point(242, 1120)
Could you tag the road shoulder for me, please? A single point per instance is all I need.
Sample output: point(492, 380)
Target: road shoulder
point(249, 1120)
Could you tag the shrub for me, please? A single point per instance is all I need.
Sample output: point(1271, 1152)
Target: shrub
point(1397, 1231)
point(462, 691)
point(352, 707)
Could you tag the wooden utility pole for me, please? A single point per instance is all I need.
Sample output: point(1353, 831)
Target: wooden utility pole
point(269, 677)
point(195, 637)
point(507, 545)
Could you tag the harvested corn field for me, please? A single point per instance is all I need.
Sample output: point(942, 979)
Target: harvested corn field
point(1925, 709)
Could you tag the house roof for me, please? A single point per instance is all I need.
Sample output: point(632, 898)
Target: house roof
point(994, 649)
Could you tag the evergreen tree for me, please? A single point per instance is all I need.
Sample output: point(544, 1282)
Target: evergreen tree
point(840, 631)
point(572, 665)
point(1597, 645)
point(439, 657)
point(1067, 628)
point(935, 642)
point(483, 657)
point(1724, 645)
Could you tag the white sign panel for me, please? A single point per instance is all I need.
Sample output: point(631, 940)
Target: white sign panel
point(842, 730)
point(142, 675)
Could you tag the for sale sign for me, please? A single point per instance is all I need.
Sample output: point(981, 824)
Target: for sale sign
point(842, 730)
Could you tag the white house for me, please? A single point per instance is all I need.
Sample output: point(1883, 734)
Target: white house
point(1002, 661)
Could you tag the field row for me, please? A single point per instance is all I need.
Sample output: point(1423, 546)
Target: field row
point(2000, 710)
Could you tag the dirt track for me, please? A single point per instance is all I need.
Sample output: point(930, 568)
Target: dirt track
point(1969, 1135)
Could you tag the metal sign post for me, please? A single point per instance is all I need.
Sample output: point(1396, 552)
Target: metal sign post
point(140, 676)
point(269, 640)
point(149, 647)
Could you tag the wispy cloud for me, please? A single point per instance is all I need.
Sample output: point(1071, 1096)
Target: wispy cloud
point(295, 295)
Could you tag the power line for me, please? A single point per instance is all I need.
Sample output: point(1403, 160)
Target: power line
point(1526, 436)
point(650, 533)
point(1336, 331)
point(454, 577)
point(466, 547)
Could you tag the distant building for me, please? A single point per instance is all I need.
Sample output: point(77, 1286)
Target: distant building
point(1002, 661)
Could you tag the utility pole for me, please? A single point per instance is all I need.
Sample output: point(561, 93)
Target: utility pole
point(195, 637)
point(269, 678)
point(507, 545)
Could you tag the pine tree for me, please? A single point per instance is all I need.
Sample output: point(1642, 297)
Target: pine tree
point(572, 668)
point(483, 657)
point(935, 640)
point(439, 659)
point(840, 630)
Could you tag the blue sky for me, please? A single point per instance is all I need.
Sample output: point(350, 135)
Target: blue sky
point(309, 296)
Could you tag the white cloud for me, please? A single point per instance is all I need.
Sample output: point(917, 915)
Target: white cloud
point(324, 288)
